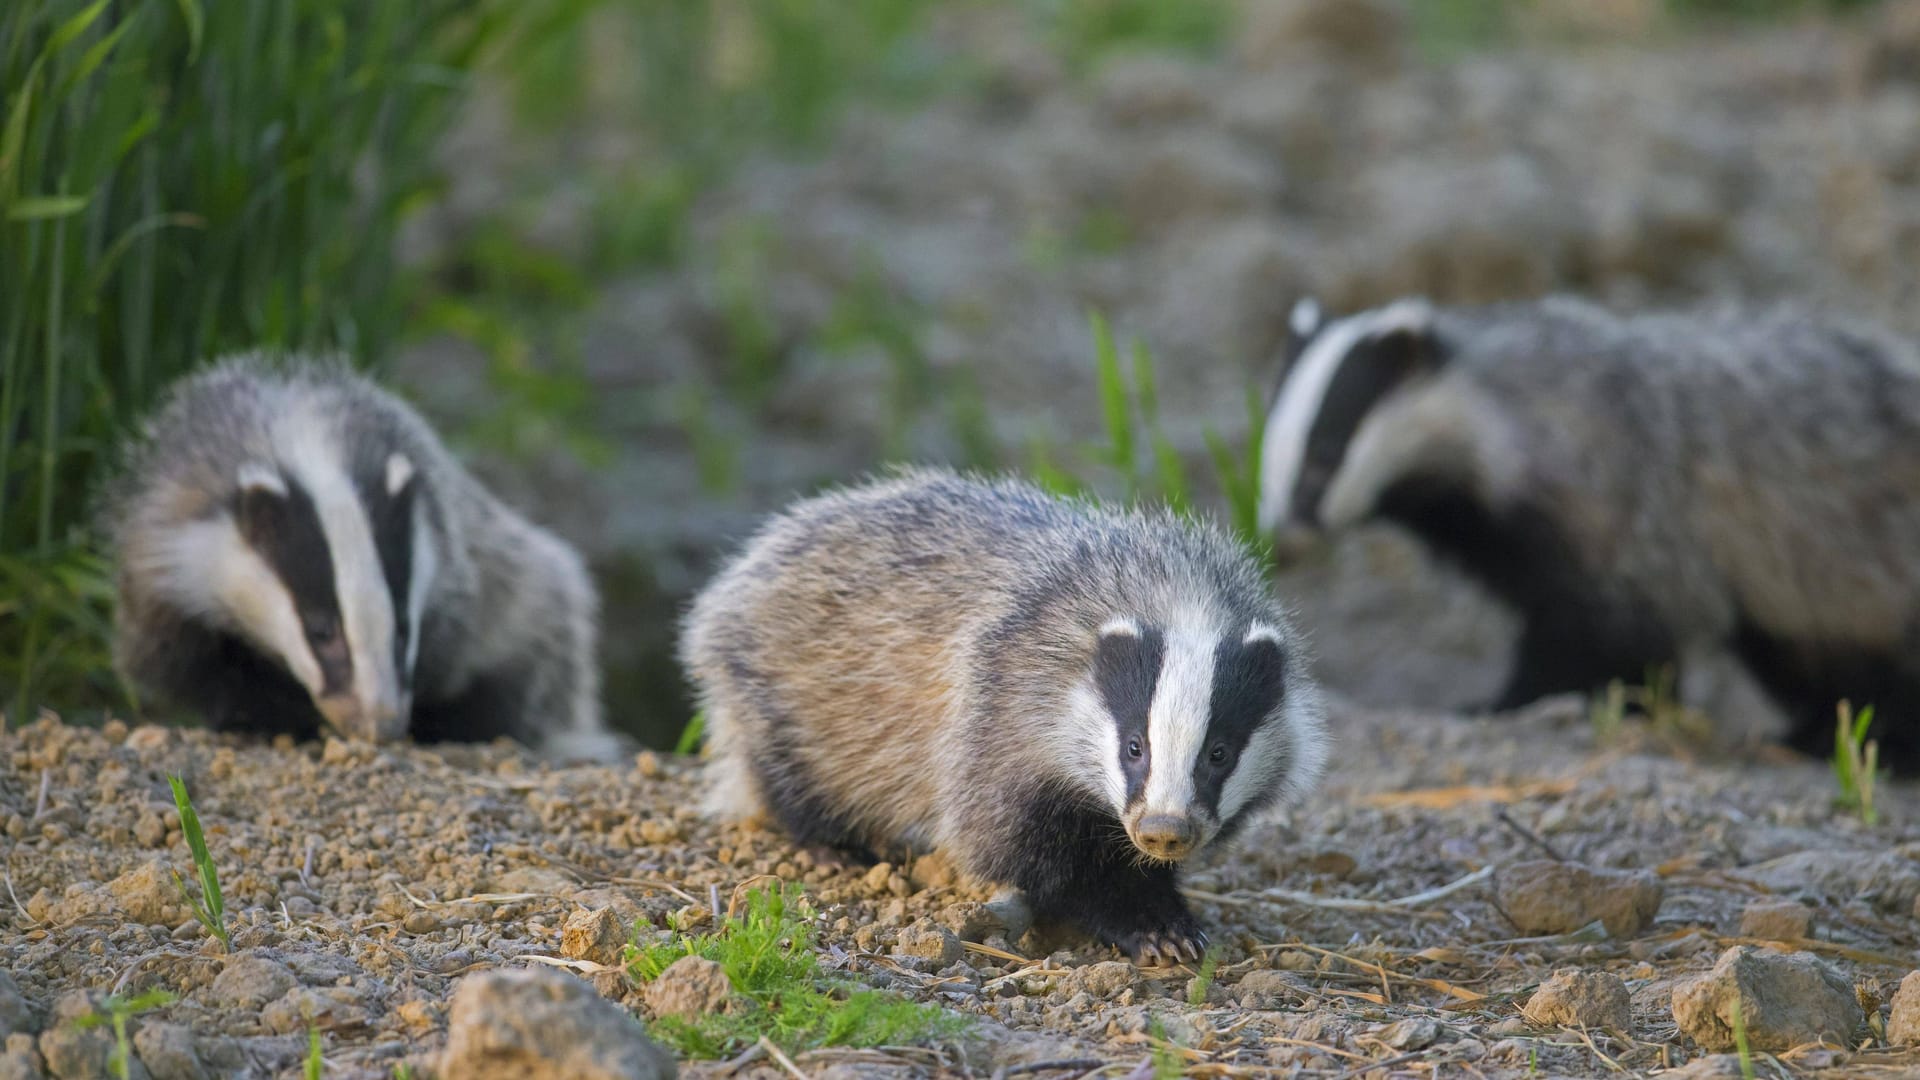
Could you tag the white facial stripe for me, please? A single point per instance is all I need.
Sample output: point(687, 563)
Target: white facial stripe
point(426, 563)
point(1283, 449)
point(1177, 720)
point(307, 450)
point(208, 570)
point(1089, 735)
point(399, 471)
point(1262, 767)
point(1123, 627)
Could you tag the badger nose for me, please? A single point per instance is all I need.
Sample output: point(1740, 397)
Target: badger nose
point(1166, 836)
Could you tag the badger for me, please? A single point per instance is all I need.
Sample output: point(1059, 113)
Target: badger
point(296, 551)
point(1065, 699)
point(1643, 491)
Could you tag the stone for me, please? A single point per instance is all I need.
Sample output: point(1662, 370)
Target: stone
point(249, 982)
point(1903, 1024)
point(330, 1008)
point(76, 1053)
point(147, 894)
point(543, 1025)
point(1266, 988)
point(1544, 897)
point(20, 1059)
point(1889, 880)
point(16, 1015)
point(1776, 920)
point(1571, 998)
point(168, 1051)
point(690, 986)
point(1413, 1033)
point(1100, 981)
point(598, 936)
point(928, 941)
point(1784, 1000)
point(970, 921)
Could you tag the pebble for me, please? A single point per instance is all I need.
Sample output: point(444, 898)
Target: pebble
point(20, 1059)
point(1545, 897)
point(542, 1025)
point(1571, 998)
point(1413, 1033)
point(690, 986)
point(1266, 988)
point(16, 1015)
point(1903, 1023)
point(970, 921)
point(927, 941)
point(1784, 999)
point(1102, 980)
point(168, 1051)
point(1776, 920)
point(596, 935)
point(249, 982)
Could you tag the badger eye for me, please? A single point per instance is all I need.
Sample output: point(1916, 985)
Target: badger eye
point(1133, 749)
point(321, 628)
point(1218, 755)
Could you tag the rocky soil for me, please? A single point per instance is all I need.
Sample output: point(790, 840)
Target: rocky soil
point(1512, 896)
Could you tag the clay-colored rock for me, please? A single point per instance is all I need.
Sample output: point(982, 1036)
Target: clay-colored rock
point(543, 1025)
point(1784, 999)
point(249, 982)
point(690, 986)
point(1543, 897)
point(1101, 980)
point(146, 894)
point(168, 1051)
point(1903, 1024)
point(598, 936)
point(970, 921)
point(929, 942)
point(20, 1060)
point(1776, 920)
point(1572, 998)
point(1266, 988)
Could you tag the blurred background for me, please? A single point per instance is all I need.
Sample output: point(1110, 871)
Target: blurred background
point(658, 266)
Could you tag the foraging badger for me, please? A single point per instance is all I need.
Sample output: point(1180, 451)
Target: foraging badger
point(1643, 491)
point(1065, 699)
point(297, 550)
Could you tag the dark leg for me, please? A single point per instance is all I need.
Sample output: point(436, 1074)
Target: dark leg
point(1809, 683)
point(487, 709)
point(1076, 865)
point(1559, 655)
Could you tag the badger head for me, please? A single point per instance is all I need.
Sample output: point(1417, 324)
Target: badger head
point(1198, 730)
point(320, 560)
point(1333, 442)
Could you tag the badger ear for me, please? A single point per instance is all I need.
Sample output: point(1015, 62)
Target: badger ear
point(399, 472)
point(253, 477)
point(1305, 319)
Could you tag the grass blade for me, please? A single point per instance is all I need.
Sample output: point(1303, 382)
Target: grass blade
point(211, 908)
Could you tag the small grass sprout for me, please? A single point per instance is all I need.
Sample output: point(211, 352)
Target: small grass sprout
point(1739, 1024)
point(315, 1065)
point(210, 908)
point(767, 952)
point(692, 735)
point(1203, 980)
point(1856, 762)
point(117, 1010)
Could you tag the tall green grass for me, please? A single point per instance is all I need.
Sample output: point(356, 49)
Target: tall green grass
point(177, 180)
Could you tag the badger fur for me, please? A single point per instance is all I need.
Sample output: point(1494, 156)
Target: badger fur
point(297, 551)
point(1643, 491)
point(1065, 699)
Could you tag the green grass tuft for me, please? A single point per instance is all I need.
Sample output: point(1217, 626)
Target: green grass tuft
point(779, 990)
point(314, 1066)
point(692, 735)
point(1203, 979)
point(209, 908)
point(1739, 1023)
point(116, 1010)
point(1856, 762)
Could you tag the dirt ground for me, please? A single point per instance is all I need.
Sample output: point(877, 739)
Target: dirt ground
point(364, 883)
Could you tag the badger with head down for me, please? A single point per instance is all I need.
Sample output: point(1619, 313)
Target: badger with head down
point(1643, 491)
point(298, 552)
point(1066, 699)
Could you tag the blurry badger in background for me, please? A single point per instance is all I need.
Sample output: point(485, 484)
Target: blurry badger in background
point(1643, 491)
point(298, 552)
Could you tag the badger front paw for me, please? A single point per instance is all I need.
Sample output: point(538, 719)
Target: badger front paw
point(1179, 942)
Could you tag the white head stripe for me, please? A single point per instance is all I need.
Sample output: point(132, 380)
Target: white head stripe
point(399, 471)
point(1177, 719)
point(1122, 627)
point(254, 476)
point(1283, 448)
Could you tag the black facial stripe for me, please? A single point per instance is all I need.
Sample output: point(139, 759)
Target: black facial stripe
point(1126, 669)
point(390, 517)
point(1372, 369)
point(285, 530)
point(1248, 681)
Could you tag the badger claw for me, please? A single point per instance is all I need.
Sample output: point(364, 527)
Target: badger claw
point(1169, 948)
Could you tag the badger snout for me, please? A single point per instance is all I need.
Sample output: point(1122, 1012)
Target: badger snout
point(382, 719)
point(1167, 837)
